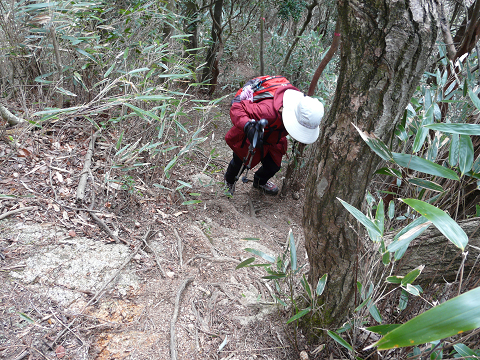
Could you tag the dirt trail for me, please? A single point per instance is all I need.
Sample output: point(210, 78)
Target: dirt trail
point(55, 259)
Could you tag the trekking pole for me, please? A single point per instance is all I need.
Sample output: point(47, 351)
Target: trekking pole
point(247, 161)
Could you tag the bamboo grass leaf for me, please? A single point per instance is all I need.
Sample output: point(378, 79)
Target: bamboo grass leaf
point(453, 317)
point(442, 221)
point(428, 167)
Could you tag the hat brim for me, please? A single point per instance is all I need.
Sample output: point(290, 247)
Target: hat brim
point(291, 98)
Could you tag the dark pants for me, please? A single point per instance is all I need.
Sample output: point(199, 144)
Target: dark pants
point(266, 171)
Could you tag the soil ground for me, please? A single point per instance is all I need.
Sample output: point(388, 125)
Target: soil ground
point(70, 291)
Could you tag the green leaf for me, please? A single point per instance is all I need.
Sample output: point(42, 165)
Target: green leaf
point(293, 250)
point(465, 159)
point(306, 286)
point(383, 329)
point(145, 114)
point(299, 315)
point(465, 351)
point(321, 284)
point(386, 258)
point(280, 300)
point(274, 277)
point(419, 164)
point(153, 97)
point(412, 275)
point(412, 290)
point(394, 279)
point(137, 71)
point(110, 69)
point(461, 129)
point(245, 263)
point(191, 202)
point(361, 217)
point(422, 132)
point(391, 209)
point(403, 301)
point(389, 172)
point(250, 239)
point(375, 144)
point(453, 317)
point(474, 98)
point(83, 52)
point(426, 184)
point(401, 245)
point(454, 150)
point(184, 184)
point(264, 256)
point(26, 318)
point(65, 91)
point(442, 221)
point(339, 340)
point(373, 310)
point(380, 217)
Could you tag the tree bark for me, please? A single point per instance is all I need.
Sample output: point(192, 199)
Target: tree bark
point(385, 49)
point(191, 28)
point(262, 24)
point(441, 258)
point(11, 119)
point(216, 36)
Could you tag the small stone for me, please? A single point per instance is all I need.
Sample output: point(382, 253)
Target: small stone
point(137, 224)
point(295, 195)
point(191, 326)
point(170, 274)
point(303, 355)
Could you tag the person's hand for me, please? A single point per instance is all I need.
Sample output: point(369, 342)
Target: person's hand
point(250, 129)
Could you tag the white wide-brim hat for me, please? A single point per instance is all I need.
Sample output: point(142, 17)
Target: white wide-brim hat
point(302, 116)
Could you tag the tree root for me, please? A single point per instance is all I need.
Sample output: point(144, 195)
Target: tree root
point(173, 348)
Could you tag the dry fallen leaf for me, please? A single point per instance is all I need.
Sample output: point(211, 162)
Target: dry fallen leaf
point(180, 213)
point(163, 214)
point(59, 177)
point(60, 351)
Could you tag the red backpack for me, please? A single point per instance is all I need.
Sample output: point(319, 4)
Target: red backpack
point(264, 87)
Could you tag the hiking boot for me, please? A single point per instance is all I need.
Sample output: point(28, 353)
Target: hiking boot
point(269, 188)
point(229, 188)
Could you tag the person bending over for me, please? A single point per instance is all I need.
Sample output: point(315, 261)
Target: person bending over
point(288, 112)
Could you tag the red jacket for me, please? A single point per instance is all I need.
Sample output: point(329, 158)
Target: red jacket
point(275, 141)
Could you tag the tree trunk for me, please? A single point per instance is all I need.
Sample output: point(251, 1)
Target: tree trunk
point(385, 48)
point(212, 50)
point(441, 258)
point(297, 37)
point(262, 25)
point(191, 28)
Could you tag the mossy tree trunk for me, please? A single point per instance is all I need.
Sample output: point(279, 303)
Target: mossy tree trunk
point(384, 51)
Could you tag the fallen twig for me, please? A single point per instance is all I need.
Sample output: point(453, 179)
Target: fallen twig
point(180, 247)
point(66, 327)
point(105, 227)
point(173, 348)
point(210, 258)
point(86, 166)
point(8, 213)
point(252, 208)
point(157, 260)
point(11, 119)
